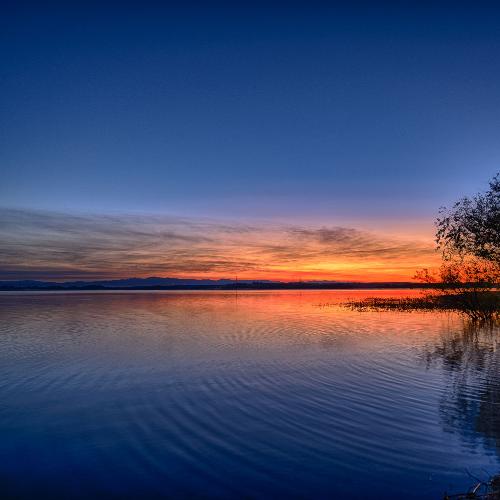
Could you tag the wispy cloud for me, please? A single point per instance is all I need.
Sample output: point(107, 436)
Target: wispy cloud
point(353, 243)
point(50, 245)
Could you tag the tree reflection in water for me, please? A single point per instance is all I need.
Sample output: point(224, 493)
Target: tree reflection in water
point(470, 358)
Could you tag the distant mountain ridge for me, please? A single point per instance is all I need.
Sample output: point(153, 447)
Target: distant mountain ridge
point(122, 283)
point(156, 283)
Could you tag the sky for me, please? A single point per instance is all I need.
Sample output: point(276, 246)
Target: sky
point(276, 140)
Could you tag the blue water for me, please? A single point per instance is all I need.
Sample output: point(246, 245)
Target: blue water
point(255, 395)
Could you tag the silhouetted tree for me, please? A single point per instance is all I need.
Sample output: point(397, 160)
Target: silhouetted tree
point(471, 228)
point(468, 235)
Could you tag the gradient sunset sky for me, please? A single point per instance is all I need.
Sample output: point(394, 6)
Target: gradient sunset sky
point(284, 140)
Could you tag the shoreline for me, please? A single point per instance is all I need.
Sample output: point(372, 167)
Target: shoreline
point(226, 287)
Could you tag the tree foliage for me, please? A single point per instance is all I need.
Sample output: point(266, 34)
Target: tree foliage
point(468, 235)
point(471, 228)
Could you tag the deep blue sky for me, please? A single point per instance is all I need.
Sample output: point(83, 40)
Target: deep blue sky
point(303, 111)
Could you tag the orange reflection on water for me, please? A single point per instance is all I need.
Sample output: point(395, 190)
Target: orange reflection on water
point(253, 317)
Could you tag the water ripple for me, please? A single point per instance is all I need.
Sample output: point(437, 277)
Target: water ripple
point(197, 395)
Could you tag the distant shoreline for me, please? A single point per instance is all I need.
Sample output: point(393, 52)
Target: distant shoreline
point(228, 287)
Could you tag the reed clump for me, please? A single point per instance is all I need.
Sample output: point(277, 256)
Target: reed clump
point(477, 305)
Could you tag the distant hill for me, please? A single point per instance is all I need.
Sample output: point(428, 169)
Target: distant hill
point(155, 283)
point(119, 283)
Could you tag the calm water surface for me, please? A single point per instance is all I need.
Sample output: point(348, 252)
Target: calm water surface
point(263, 394)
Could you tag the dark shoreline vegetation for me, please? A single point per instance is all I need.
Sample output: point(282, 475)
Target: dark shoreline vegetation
point(483, 305)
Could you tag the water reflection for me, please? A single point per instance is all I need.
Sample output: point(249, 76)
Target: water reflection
point(470, 358)
point(275, 394)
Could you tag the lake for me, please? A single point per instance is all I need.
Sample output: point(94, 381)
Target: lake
point(252, 394)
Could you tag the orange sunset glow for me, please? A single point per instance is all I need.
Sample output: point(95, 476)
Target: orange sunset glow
point(70, 247)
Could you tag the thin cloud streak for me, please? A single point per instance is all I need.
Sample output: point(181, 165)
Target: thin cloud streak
point(50, 245)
